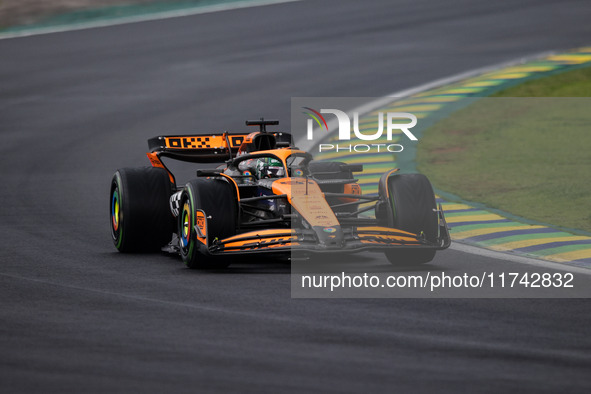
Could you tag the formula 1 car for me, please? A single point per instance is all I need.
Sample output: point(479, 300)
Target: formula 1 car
point(268, 197)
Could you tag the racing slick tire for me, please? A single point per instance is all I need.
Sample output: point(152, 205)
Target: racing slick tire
point(414, 210)
point(217, 199)
point(141, 220)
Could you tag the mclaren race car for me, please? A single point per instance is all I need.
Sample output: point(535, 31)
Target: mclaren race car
point(268, 197)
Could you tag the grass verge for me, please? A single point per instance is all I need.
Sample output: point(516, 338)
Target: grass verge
point(526, 150)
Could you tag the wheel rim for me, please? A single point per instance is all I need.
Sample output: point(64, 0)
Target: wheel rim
point(115, 210)
point(116, 219)
point(185, 225)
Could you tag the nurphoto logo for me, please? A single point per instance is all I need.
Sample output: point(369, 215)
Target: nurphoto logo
point(393, 122)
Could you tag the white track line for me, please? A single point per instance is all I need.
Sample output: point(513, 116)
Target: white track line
point(143, 18)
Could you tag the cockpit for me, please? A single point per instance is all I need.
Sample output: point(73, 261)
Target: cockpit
point(262, 167)
point(254, 167)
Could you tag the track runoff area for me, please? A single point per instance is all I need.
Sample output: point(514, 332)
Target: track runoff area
point(474, 228)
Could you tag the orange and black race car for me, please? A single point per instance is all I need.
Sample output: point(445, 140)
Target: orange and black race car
point(268, 197)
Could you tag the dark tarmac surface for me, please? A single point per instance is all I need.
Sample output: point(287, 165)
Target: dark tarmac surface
point(79, 317)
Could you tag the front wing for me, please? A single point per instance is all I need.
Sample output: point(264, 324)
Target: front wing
point(355, 239)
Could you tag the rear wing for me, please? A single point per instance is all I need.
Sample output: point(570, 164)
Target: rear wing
point(214, 148)
point(198, 148)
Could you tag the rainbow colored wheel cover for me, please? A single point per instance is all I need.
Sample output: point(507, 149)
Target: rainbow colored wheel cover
point(115, 209)
point(186, 225)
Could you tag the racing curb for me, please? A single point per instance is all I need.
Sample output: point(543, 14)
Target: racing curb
point(469, 222)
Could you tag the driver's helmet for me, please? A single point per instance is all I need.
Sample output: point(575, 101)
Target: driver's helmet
point(263, 167)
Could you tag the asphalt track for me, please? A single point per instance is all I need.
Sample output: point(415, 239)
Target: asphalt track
point(79, 317)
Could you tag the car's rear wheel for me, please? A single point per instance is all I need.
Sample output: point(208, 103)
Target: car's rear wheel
point(141, 220)
point(217, 199)
point(413, 209)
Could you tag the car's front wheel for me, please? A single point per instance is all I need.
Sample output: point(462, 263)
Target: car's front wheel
point(208, 212)
point(412, 208)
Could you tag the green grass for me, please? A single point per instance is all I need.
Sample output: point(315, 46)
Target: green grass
point(576, 83)
point(530, 157)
